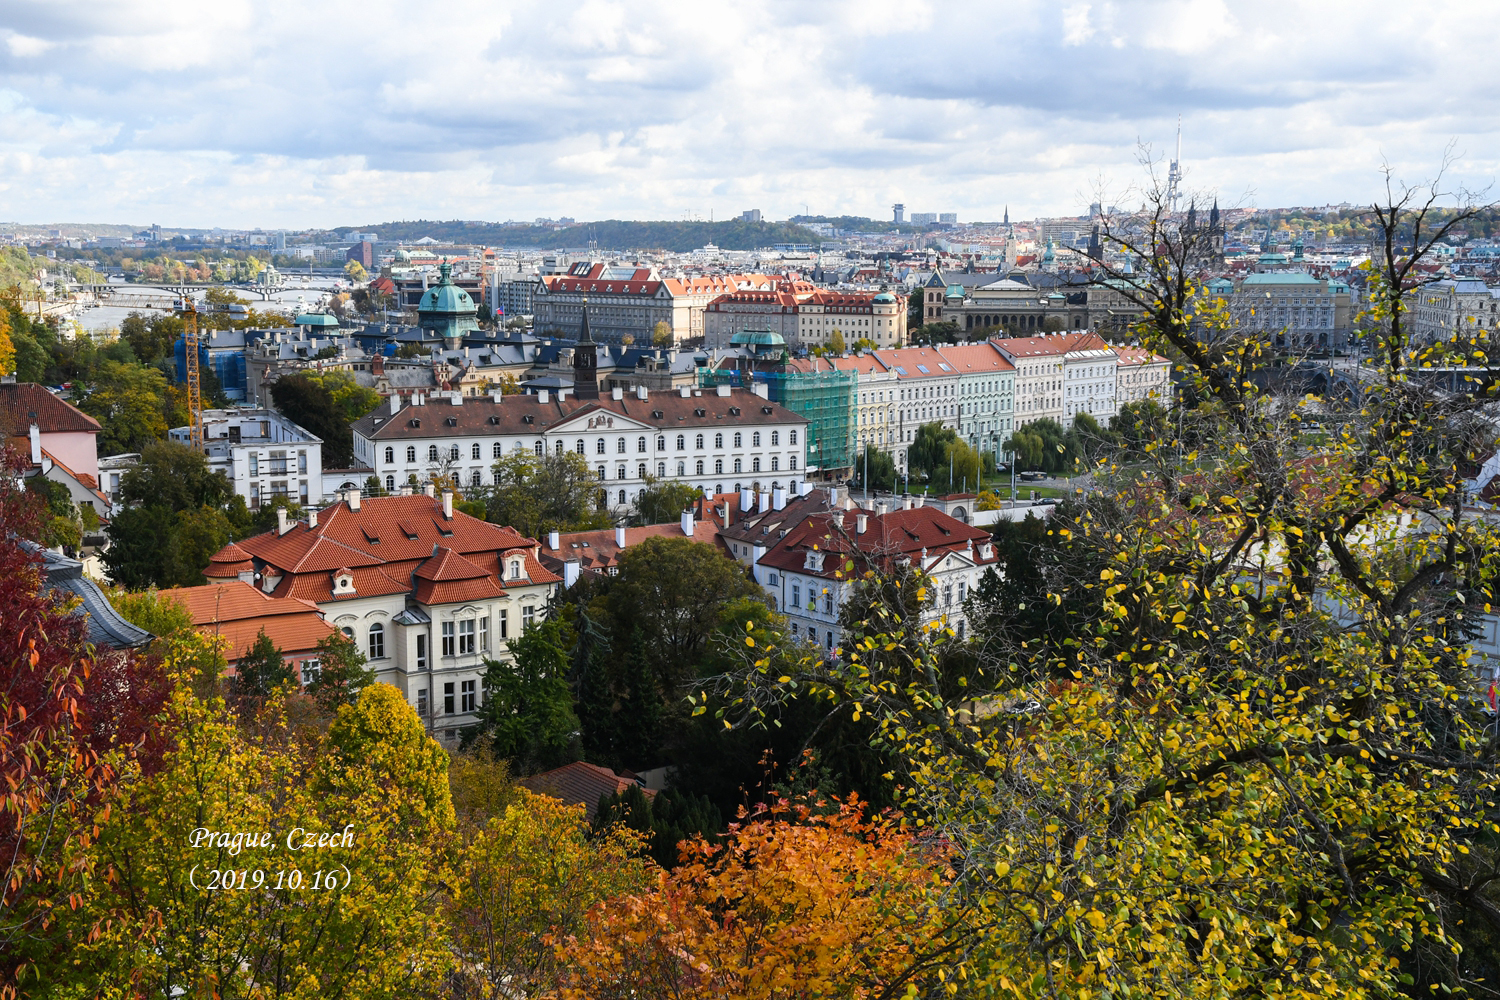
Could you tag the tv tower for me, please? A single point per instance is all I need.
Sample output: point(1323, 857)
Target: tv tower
point(1174, 174)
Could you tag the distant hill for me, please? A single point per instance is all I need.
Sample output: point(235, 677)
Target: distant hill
point(613, 234)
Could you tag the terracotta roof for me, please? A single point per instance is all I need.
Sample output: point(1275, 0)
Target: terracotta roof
point(972, 358)
point(887, 537)
point(19, 400)
point(1137, 356)
point(527, 414)
point(580, 784)
point(909, 358)
point(229, 562)
point(598, 551)
point(239, 611)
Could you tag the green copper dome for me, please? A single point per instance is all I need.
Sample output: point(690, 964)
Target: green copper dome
point(446, 298)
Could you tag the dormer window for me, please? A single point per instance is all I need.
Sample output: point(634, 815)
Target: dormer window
point(343, 582)
point(986, 551)
point(514, 572)
point(814, 561)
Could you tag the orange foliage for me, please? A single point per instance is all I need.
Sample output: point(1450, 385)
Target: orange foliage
point(792, 905)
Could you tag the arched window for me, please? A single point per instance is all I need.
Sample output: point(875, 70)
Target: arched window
point(791, 463)
point(640, 471)
point(599, 447)
point(622, 492)
point(474, 477)
point(791, 437)
point(755, 440)
point(411, 453)
point(718, 440)
point(775, 438)
point(775, 463)
point(515, 569)
point(390, 483)
point(738, 439)
point(681, 441)
point(377, 641)
point(578, 446)
point(432, 453)
point(682, 468)
point(453, 453)
point(719, 467)
point(640, 444)
point(348, 632)
point(390, 456)
point(474, 451)
point(620, 446)
point(601, 472)
point(661, 442)
point(620, 472)
point(498, 451)
point(661, 470)
point(699, 470)
point(558, 448)
point(737, 466)
point(698, 442)
point(755, 465)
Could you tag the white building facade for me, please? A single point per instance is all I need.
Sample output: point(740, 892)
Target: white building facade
point(263, 454)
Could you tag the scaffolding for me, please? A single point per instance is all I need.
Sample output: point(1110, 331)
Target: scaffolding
point(189, 313)
point(825, 398)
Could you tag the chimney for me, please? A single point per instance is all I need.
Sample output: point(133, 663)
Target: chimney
point(429, 490)
point(762, 390)
point(722, 390)
point(906, 502)
point(687, 523)
point(36, 444)
point(281, 526)
point(395, 403)
point(745, 500)
point(456, 397)
point(354, 499)
point(778, 498)
point(447, 505)
point(640, 392)
point(861, 522)
point(685, 391)
point(724, 515)
point(312, 519)
point(554, 540)
point(379, 364)
point(617, 393)
point(881, 507)
point(570, 573)
point(765, 500)
point(833, 496)
point(620, 536)
point(542, 396)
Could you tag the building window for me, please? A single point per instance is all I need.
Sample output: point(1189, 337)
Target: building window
point(827, 602)
point(698, 443)
point(775, 438)
point(718, 440)
point(421, 650)
point(311, 671)
point(453, 453)
point(377, 641)
point(515, 569)
point(754, 464)
point(422, 702)
point(466, 637)
point(528, 615)
point(620, 472)
point(699, 468)
point(504, 623)
point(791, 437)
point(484, 634)
point(796, 596)
point(498, 451)
point(411, 454)
point(448, 644)
point(474, 452)
point(640, 445)
point(718, 467)
point(578, 447)
point(474, 477)
point(302, 463)
point(448, 698)
point(278, 463)
point(620, 446)
point(254, 464)
point(661, 442)
point(559, 448)
point(791, 463)
point(390, 456)
point(468, 696)
point(682, 468)
point(640, 471)
point(961, 589)
point(603, 476)
point(737, 466)
point(390, 484)
point(599, 447)
point(432, 453)
point(681, 442)
point(661, 470)
point(755, 440)
point(622, 498)
point(738, 439)
point(536, 450)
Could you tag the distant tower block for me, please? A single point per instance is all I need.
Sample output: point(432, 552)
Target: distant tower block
point(899, 211)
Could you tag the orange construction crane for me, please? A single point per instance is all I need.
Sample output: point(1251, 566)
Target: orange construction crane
point(189, 313)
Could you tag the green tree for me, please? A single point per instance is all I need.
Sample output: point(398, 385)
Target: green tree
point(309, 402)
point(927, 455)
point(876, 465)
point(342, 673)
point(140, 545)
point(129, 402)
point(666, 820)
point(663, 501)
point(196, 536)
point(162, 616)
point(528, 709)
point(349, 397)
point(171, 474)
point(261, 671)
point(536, 494)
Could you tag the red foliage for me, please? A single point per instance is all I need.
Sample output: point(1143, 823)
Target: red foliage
point(70, 716)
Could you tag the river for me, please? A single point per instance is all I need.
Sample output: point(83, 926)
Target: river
point(294, 297)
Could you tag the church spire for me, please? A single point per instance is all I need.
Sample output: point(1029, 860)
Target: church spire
point(585, 361)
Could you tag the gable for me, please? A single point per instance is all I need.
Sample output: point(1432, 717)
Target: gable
point(599, 419)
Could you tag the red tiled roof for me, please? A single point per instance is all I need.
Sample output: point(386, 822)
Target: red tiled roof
point(886, 537)
point(972, 358)
point(230, 562)
point(598, 551)
point(19, 400)
point(238, 612)
point(580, 783)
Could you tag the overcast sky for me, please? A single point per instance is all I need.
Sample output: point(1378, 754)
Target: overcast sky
point(315, 113)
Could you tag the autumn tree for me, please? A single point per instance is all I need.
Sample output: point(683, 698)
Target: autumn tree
point(661, 334)
point(536, 494)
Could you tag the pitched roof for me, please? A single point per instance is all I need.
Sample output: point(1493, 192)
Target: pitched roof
point(238, 611)
point(598, 551)
point(527, 414)
point(580, 784)
point(25, 403)
point(972, 359)
point(886, 538)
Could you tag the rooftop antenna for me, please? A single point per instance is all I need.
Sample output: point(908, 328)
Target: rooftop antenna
point(1174, 175)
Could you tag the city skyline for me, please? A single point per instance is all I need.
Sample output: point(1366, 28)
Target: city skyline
point(241, 115)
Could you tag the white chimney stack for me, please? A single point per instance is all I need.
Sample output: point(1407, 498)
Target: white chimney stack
point(640, 392)
point(722, 390)
point(620, 536)
point(778, 498)
point(570, 573)
point(685, 391)
point(907, 503)
point(354, 499)
point(281, 525)
point(395, 403)
point(36, 445)
point(429, 490)
point(554, 540)
point(881, 507)
point(745, 500)
point(456, 398)
point(542, 396)
point(687, 523)
point(861, 522)
point(312, 519)
point(765, 500)
point(447, 505)
point(617, 393)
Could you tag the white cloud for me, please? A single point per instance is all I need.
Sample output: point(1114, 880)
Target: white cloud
point(244, 113)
